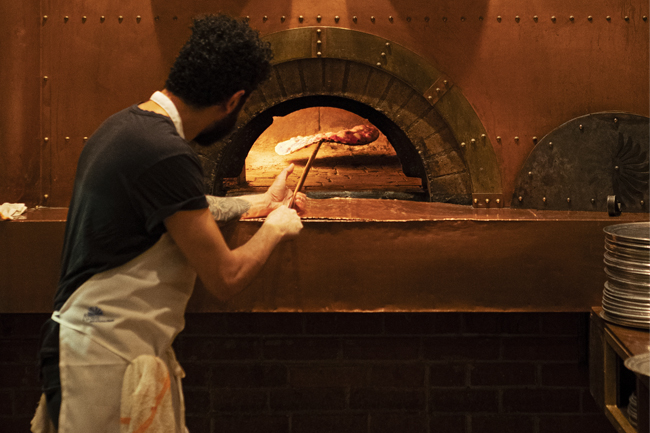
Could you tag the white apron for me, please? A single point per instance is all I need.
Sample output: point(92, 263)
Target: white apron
point(135, 309)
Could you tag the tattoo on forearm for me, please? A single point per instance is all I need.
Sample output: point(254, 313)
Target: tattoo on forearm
point(224, 209)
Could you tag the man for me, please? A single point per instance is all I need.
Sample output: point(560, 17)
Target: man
point(140, 229)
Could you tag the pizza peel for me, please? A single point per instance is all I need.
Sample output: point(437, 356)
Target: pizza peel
point(301, 182)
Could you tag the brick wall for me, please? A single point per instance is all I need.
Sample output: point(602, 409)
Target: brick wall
point(370, 373)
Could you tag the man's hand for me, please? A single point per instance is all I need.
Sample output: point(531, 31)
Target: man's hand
point(286, 221)
point(279, 194)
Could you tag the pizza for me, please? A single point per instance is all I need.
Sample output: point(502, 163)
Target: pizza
point(357, 136)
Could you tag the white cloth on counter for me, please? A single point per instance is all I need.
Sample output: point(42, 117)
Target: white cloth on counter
point(9, 211)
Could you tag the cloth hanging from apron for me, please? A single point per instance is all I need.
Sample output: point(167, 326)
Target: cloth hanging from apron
point(114, 317)
point(146, 405)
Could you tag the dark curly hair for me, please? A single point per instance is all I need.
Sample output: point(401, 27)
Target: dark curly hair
point(222, 56)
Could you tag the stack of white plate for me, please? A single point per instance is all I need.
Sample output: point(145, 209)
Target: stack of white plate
point(631, 410)
point(626, 298)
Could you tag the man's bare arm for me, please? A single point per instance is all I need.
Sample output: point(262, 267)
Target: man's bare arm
point(223, 271)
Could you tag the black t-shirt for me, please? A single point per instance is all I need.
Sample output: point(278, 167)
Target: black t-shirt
point(134, 172)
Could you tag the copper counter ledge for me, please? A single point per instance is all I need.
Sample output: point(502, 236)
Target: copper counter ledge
point(373, 255)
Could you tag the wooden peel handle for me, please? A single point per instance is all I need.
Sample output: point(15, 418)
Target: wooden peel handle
point(301, 182)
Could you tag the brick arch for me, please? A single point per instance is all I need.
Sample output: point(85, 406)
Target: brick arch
point(434, 131)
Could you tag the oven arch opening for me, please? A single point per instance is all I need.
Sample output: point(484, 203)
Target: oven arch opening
point(335, 157)
point(445, 144)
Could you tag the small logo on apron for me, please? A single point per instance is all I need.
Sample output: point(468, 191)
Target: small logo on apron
point(96, 315)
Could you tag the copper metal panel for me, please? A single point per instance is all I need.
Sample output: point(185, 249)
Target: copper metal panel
point(427, 266)
point(523, 77)
point(96, 67)
point(373, 255)
point(19, 118)
point(29, 264)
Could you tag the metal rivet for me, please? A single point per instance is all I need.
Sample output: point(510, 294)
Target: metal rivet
point(444, 19)
point(520, 198)
point(498, 201)
point(46, 195)
point(301, 18)
point(408, 19)
point(642, 203)
point(430, 98)
point(139, 18)
point(590, 18)
point(645, 18)
point(473, 141)
point(571, 17)
point(67, 139)
point(581, 127)
point(84, 18)
point(426, 19)
point(475, 201)
point(553, 18)
point(265, 18)
point(45, 78)
point(102, 19)
point(318, 18)
point(85, 138)
point(550, 144)
point(379, 64)
point(462, 18)
point(44, 18)
point(337, 18)
point(535, 140)
point(593, 201)
point(616, 167)
point(156, 18)
point(568, 199)
point(319, 54)
point(283, 18)
point(517, 18)
point(530, 174)
point(499, 18)
point(372, 19)
point(390, 18)
point(318, 31)
point(535, 18)
point(627, 18)
point(615, 120)
point(483, 136)
point(438, 89)
point(388, 44)
point(120, 18)
point(319, 42)
point(487, 201)
point(516, 138)
point(499, 138)
point(462, 144)
point(608, 18)
point(544, 199)
point(66, 18)
point(46, 139)
point(354, 18)
point(383, 54)
point(445, 82)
